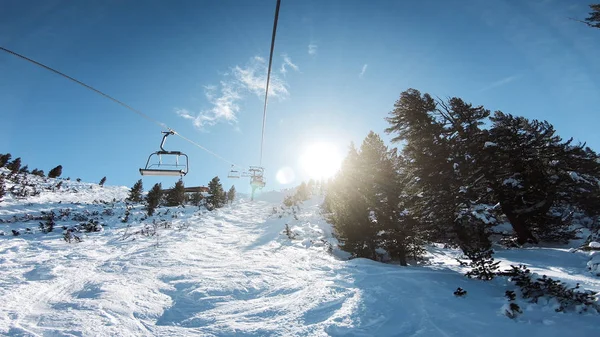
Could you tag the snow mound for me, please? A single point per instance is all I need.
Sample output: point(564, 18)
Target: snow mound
point(594, 244)
point(594, 263)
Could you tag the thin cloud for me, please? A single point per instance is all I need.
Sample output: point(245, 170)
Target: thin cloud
point(312, 49)
point(500, 82)
point(225, 98)
point(287, 62)
point(363, 70)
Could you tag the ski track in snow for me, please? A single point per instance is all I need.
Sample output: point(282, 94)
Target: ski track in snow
point(232, 273)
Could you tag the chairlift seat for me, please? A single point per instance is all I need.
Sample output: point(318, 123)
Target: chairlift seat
point(159, 172)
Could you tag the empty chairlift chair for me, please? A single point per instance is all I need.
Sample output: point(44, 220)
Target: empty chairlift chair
point(257, 179)
point(233, 173)
point(156, 166)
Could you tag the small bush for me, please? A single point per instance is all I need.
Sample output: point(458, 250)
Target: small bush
point(568, 299)
point(55, 172)
point(48, 225)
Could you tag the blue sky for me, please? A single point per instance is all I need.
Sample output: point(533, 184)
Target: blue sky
point(339, 66)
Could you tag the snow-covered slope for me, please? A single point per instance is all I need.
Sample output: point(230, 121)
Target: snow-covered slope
point(232, 272)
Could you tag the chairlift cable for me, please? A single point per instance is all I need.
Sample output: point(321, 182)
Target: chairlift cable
point(162, 125)
point(262, 139)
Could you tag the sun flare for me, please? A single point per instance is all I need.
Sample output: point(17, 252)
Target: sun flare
point(321, 160)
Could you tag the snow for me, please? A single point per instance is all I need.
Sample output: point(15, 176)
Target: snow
point(512, 182)
point(489, 144)
point(233, 272)
point(594, 244)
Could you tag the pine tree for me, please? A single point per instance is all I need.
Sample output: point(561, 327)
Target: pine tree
point(346, 208)
point(196, 198)
point(36, 172)
point(363, 203)
point(135, 194)
point(55, 172)
point(4, 159)
point(594, 19)
point(216, 194)
point(2, 188)
point(102, 181)
point(443, 161)
point(231, 195)
point(153, 198)
point(176, 196)
point(24, 169)
point(302, 193)
point(14, 165)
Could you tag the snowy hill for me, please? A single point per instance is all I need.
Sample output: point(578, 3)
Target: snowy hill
point(233, 272)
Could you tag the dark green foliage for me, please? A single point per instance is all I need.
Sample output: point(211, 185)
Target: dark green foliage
point(48, 225)
point(289, 233)
point(216, 194)
point(533, 288)
point(153, 198)
point(55, 172)
point(455, 167)
point(125, 218)
point(364, 206)
point(14, 165)
point(459, 292)
point(196, 198)
point(594, 19)
point(4, 159)
point(231, 195)
point(135, 194)
point(510, 295)
point(36, 172)
point(24, 169)
point(539, 179)
point(102, 181)
point(176, 196)
point(69, 236)
point(513, 310)
point(90, 226)
point(2, 186)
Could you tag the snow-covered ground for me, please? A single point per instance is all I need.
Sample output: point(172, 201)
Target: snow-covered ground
point(232, 272)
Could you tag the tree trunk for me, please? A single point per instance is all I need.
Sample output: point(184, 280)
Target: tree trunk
point(524, 235)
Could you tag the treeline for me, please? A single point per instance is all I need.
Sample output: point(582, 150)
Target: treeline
point(461, 171)
point(15, 166)
point(215, 197)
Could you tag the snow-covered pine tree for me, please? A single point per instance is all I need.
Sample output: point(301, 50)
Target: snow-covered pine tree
point(153, 198)
point(443, 143)
point(231, 194)
point(539, 179)
point(176, 196)
point(135, 194)
point(216, 194)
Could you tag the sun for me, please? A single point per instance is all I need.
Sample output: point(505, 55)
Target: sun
point(321, 160)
